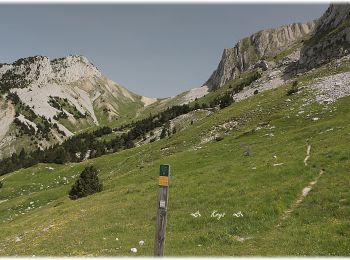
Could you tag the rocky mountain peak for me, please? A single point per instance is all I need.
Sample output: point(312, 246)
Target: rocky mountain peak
point(39, 70)
point(261, 45)
point(72, 60)
point(330, 39)
point(333, 17)
point(58, 97)
point(74, 67)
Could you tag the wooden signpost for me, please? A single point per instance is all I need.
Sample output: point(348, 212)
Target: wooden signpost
point(162, 204)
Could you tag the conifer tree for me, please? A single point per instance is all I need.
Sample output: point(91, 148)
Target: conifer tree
point(87, 184)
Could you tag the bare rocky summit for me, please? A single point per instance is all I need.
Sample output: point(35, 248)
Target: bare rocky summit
point(250, 51)
point(314, 43)
point(330, 39)
point(69, 93)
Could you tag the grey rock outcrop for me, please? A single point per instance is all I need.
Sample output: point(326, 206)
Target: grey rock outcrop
point(250, 50)
point(57, 97)
point(334, 16)
point(330, 40)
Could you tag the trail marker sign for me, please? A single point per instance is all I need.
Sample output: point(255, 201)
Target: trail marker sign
point(162, 203)
point(164, 175)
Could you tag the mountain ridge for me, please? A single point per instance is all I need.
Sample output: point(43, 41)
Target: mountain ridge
point(248, 51)
point(259, 166)
point(66, 94)
point(330, 39)
point(313, 43)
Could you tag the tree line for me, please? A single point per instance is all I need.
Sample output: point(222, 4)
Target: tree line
point(76, 148)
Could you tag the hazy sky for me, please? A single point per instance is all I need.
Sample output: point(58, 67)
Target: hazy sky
point(153, 50)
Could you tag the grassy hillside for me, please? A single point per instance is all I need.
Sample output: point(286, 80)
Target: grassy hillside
point(257, 169)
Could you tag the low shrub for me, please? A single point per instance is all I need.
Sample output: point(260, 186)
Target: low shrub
point(219, 138)
point(294, 88)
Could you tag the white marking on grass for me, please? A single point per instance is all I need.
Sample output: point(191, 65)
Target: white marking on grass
point(308, 151)
point(238, 214)
point(48, 228)
point(241, 239)
point(306, 190)
point(217, 215)
point(196, 214)
point(278, 164)
point(330, 129)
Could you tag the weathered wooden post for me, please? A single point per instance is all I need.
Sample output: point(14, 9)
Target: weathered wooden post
point(162, 204)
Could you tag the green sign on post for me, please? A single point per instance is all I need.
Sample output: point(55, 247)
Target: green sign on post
point(164, 170)
point(162, 204)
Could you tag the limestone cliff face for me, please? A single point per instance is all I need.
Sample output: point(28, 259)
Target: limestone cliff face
point(39, 70)
point(330, 39)
point(37, 79)
point(248, 51)
point(68, 94)
point(333, 17)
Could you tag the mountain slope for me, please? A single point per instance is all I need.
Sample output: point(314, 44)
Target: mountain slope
point(258, 169)
point(266, 175)
point(59, 98)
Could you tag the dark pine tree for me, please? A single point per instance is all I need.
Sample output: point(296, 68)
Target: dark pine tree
point(87, 184)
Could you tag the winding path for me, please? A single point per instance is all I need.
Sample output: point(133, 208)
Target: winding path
point(300, 199)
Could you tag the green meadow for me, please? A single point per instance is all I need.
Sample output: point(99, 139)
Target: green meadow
point(252, 174)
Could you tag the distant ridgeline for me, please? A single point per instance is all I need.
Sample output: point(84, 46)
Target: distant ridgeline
point(86, 145)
